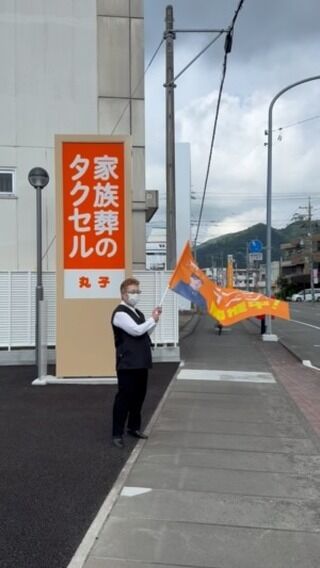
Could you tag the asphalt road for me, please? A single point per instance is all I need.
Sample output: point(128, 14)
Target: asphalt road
point(302, 333)
point(57, 463)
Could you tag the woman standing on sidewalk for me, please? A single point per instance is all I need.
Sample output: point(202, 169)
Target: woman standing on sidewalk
point(133, 360)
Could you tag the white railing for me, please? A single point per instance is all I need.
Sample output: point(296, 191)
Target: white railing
point(17, 307)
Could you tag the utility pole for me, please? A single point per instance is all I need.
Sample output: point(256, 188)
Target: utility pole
point(169, 36)
point(311, 249)
point(308, 218)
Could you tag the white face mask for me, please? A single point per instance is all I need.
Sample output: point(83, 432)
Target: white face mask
point(133, 299)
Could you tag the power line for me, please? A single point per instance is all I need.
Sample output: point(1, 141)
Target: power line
point(138, 84)
point(120, 117)
point(233, 195)
point(224, 69)
point(236, 14)
point(227, 50)
point(198, 55)
point(243, 197)
point(296, 123)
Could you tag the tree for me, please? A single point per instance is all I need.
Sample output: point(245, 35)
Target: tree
point(286, 288)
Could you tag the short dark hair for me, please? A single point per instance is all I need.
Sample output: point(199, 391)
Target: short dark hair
point(128, 282)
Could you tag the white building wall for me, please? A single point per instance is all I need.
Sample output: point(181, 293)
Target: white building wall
point(47, 49)
point(68, 68)
point(183, 194)
point(121, 95)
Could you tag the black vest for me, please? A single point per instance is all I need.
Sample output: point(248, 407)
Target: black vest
point(132, 352)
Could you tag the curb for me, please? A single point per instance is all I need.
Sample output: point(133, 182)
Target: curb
point(304, 362)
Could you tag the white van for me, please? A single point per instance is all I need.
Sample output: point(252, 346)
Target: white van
point(306, 295)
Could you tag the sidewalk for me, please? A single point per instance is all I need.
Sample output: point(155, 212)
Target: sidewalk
point(229, 477)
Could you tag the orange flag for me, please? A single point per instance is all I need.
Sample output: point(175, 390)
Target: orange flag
point(227, 305)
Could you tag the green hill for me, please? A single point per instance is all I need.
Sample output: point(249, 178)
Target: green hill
point(214, 252)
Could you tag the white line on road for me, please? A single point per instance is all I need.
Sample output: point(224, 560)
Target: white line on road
point(303, 323)
point(308, 363)
point(214, 375)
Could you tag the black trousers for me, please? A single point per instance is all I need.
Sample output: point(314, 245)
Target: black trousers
point(132, 388)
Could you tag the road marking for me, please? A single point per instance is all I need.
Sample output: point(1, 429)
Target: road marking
point(133, 491)
point(233, 376)
point(51, 380)
point(307, 324)
point(308, 363)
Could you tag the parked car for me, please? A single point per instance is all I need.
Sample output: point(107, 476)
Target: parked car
point(306, 295)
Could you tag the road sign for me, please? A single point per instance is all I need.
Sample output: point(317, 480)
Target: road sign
point(253, 256)
point(255, 246)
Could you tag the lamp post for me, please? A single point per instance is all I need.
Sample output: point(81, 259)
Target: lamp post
point(38, 178)
point(268, 335)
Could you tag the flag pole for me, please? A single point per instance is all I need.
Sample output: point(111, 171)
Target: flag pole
point(163, 296)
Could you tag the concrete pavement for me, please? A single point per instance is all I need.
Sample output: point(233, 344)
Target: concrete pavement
point(229, 477)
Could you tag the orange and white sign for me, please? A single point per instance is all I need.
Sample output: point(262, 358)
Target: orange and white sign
point(94, 223)
point(94, 248)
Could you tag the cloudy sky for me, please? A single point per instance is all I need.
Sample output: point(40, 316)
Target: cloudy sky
point(276, 43)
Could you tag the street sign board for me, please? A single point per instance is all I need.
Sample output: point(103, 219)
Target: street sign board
point(253, 256)
point(255, 246)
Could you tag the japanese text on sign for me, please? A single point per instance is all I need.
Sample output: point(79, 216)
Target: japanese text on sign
point(93, 192)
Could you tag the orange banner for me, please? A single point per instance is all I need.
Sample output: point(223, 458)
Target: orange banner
point(226, 305)
point(94, 223)
point(93, 204)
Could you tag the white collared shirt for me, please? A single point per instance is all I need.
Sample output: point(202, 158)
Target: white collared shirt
point(125, 322)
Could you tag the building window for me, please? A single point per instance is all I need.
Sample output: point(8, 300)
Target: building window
point(6, 182)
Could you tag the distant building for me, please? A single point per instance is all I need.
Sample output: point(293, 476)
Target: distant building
point(256, 277)
point(261, 277)
point(297, 258)
point(156, 249)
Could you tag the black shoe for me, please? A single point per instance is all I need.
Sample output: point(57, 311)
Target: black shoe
point(137, 434)
point(118, 442)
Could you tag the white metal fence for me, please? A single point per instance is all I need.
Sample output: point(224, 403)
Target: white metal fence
point(17, 307)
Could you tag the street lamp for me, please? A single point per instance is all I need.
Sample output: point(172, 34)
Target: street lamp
point(268, 335)
point(38, 178)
